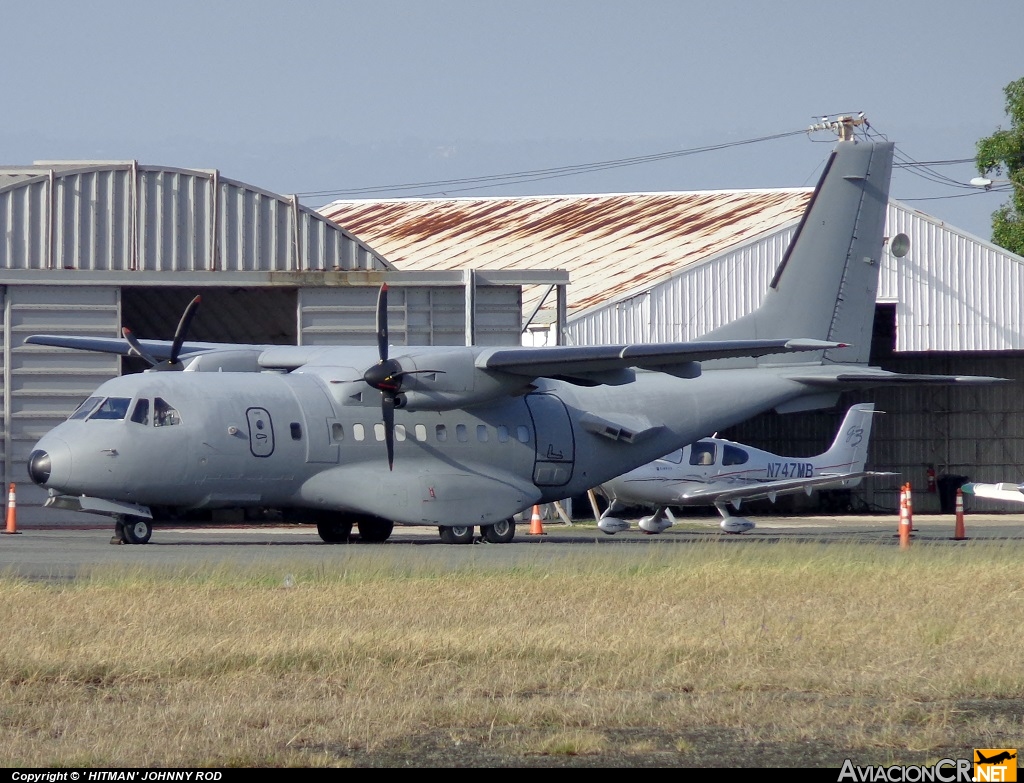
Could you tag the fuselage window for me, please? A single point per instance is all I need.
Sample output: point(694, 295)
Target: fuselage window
point(337, 432)
point(441, 432)
point(461, 433)
point(421, 433)
point(399, 432)
point(115, 408)
point(378, 431)
point(87, 407)
point(734, 456)
point(523, 433)
point(702, 453)
point(141, 413)
point(358, 432)
point(502, 433)
point(296, 430)
point(481, 433)
point(164, 415)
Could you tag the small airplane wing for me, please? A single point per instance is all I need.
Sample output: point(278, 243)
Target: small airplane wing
point(772, 489)
point(1003, 491)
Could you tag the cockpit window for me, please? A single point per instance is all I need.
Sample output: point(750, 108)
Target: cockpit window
point(115, 408)
point(87, 407)
point(702, 453)
point(141, 413)
point(164, 415)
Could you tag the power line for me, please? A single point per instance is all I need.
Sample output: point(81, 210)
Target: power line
point(535, 175)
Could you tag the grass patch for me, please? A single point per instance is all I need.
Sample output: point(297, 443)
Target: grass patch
point(858, 647)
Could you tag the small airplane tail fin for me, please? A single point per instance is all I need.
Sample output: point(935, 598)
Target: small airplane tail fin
point(849, 451)
point(814, 294)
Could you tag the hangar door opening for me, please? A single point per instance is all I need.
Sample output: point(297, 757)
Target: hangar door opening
point(231, 315)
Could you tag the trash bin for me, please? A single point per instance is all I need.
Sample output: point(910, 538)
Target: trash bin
point(948, 485)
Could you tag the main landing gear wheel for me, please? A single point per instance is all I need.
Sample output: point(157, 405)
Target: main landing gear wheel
point(500, 532)
point(335, 532)
point(457, 534)
point(375, 531)
point(137, 530)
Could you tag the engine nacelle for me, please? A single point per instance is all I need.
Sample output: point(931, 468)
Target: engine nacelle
point(612, 525)
point(737, 525)
point(655, 524)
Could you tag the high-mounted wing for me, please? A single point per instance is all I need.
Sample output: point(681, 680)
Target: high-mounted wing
point(595, 364)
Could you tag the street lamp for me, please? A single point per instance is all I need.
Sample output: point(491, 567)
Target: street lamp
point(985, 182)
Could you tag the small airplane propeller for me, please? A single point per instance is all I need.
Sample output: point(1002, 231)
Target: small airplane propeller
point(386, 376)
point(171, 363)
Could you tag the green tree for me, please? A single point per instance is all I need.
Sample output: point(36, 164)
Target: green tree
point(1003, 153)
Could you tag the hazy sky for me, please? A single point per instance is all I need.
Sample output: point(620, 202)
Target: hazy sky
point(298, 97)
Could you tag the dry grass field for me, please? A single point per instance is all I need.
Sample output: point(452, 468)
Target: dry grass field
point(787, 654)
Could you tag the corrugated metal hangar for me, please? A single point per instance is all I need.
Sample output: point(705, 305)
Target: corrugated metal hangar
point(671, 266)
point(89, 247)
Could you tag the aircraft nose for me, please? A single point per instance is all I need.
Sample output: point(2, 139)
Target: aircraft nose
point(49, 464)
point(39, 466)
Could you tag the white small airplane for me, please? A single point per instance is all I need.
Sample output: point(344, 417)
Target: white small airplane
point(1004, 490)
point(719, 472)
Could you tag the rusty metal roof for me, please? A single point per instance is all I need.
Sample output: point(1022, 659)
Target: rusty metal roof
point(608, 243)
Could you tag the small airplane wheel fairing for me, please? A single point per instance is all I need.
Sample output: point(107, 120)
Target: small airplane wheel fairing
point(375, 531)
point(335, 532)
point(500, 532)
point(457, 534)
point(137, 530)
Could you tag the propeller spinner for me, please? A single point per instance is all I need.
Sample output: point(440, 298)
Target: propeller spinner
point(386, 376)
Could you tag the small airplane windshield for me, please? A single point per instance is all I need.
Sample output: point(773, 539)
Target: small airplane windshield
point(164, 415)
point(676, 457)
point(87, 407)
point(114, 408)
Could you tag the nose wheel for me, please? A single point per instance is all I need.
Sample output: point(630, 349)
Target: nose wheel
point(132, 530)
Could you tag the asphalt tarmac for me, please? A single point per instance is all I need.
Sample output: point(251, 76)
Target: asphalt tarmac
point(65, 554)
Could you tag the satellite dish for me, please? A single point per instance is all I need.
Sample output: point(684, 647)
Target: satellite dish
point(899, 246)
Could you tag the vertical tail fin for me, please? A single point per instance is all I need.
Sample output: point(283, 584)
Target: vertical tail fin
point(826, 285)
point(849, 451)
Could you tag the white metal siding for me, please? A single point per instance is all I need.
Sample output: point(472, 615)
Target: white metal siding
point(43, 385)
point(124, 217)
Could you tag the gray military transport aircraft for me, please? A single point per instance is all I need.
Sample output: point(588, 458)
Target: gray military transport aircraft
point(465, 437)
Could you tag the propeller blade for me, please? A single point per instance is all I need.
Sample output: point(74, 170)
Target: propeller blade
point(137, 348)
point(382, 323)
point(388, 410)
point(182, 331)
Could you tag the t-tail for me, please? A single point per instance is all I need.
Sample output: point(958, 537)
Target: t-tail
point(849, 451)
point(812, 295)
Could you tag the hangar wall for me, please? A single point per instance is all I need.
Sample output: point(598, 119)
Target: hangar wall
point(86, 248)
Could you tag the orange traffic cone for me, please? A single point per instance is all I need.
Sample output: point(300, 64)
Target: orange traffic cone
point(536, 526)
point(12, 511)
point(904, 520)
point(958, 530)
